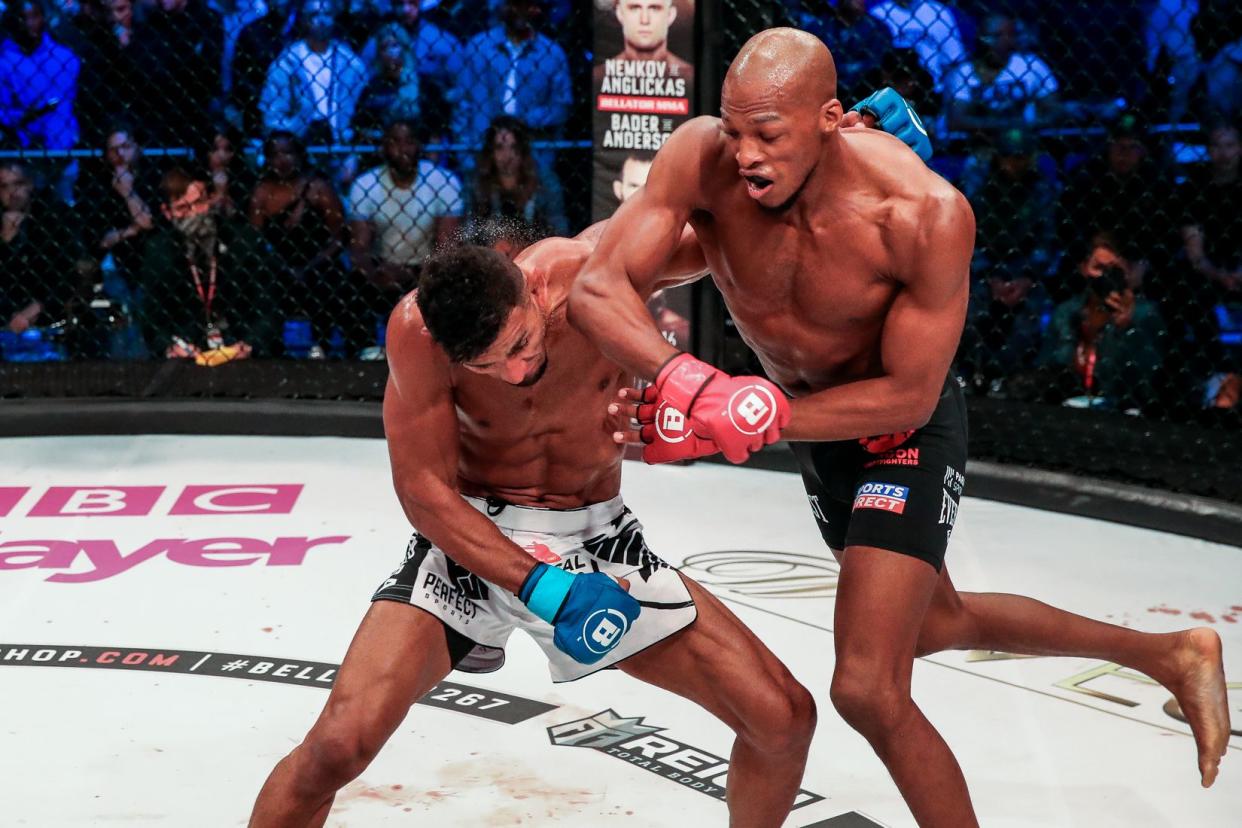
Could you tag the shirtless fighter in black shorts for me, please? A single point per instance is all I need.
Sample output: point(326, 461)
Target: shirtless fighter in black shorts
point(844, 262)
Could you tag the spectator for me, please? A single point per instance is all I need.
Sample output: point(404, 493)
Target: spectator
point(1212, 222)
point(1168, 34)
point(111, 82)
point(393, 91)
point(37, 268)
point(1123, 194)
point(509, 183)
point(208, 291)
point(357, 19)
point(1107, 342)
point(512, 70)
point(302, 218)
point(113, 198)
point(437, 52)
point(313, 86)
point(901, 69)
point(235, 16)
point(1000, 87)
point(1211, 227)
point(258, 46)
point(1218, 35)
point(858, 42)
point(38, 81)
point(397, 213)
point(928, 27)
point(180, 61)
point(229, 179)
point(1014, 211)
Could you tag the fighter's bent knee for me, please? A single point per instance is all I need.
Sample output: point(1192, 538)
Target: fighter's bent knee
point(784, 719)
point(339, 747)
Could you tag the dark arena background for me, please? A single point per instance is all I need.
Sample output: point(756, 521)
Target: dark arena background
point(210, 207)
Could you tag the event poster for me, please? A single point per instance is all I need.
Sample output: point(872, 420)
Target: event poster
point(643, 83)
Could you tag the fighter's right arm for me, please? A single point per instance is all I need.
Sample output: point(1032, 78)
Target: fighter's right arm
point(634, 253)
point(420, 423)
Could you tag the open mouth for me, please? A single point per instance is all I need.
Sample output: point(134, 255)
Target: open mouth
point(757, 185)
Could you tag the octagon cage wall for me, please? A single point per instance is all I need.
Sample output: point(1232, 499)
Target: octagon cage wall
point(224, 199)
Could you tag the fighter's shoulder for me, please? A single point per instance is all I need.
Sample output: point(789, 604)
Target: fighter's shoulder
point(559, 259)
point(557, 252)
point(696, 137)
point(690, 158)
point(410, 348)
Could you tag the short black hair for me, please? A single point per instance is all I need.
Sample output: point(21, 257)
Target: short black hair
point(466, 294)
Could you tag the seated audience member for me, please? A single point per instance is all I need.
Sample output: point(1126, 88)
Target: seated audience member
point(113, 202)
point(209, 292)
point(1211, 227)
point(1015, 240)
point(38, 276)
point(1212, 214)
point(1218, 35)
point(258, 46)
point(512, 69)
point(180, 61)
point(393, 91)
point(900, 69)
point(1171, 43)
point(111, 43)
point(437, 52)
point(1125, 194)
point(1000, 87)
point(38, 81)
point(927, 27)
point(1107, 343)
point(229, 178)
point(509, 182)
point(38, 90)
point(313, 86)
point(398, 213)
point(299, 213)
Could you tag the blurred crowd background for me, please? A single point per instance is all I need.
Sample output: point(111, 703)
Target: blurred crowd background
point(217, 180)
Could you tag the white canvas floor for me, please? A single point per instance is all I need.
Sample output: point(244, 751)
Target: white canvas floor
point(1043, 742)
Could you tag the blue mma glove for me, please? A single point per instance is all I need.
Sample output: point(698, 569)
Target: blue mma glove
point(894, 115)
point(589, 613)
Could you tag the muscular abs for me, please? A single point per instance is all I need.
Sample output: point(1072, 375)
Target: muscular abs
point(548, 445)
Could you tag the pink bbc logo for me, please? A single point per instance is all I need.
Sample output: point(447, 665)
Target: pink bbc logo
point(140, 501)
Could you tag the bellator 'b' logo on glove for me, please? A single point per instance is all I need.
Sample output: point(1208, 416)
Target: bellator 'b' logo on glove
point(666, 433)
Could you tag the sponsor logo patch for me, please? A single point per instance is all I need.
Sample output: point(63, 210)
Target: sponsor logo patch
point(895, 457)
point(886, 497)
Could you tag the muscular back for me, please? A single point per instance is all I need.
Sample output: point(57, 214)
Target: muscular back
point(810, 287)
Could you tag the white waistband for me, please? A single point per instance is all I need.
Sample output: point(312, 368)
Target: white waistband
point(550, 521)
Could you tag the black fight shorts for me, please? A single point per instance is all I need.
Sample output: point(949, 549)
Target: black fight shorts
point(900, 497)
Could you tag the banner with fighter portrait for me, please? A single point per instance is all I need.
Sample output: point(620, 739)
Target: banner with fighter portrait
point(643, 86)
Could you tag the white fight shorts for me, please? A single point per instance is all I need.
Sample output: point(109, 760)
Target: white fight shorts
point(602, 537)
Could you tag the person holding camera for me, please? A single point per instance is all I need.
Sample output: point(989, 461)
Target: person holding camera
point(1108, 342)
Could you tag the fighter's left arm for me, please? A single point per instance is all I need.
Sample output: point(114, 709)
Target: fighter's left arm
point(919, 339)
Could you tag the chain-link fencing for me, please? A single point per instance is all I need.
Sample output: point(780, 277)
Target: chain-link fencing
point(250, 185)
point(1098, 144)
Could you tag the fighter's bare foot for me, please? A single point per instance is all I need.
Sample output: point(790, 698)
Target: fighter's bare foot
point(1197, 681)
